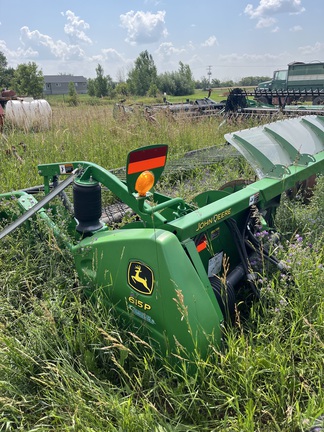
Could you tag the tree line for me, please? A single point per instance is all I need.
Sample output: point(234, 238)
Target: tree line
point(142, 80)
point(25, 80)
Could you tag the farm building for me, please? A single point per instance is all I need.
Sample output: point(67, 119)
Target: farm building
point(59, 84)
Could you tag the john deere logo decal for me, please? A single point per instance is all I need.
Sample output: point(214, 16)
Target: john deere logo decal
point(140, 277)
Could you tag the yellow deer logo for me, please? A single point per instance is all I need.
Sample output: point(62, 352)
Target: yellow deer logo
point(140, 278)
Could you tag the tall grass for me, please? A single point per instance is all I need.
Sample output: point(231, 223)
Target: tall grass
point(91, 133)
point(65, 364)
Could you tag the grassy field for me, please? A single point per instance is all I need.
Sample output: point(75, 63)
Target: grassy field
point(217, 94)
point(65, 365)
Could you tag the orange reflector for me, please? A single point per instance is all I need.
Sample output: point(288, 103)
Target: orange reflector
point(144, 183)
point(201, 246)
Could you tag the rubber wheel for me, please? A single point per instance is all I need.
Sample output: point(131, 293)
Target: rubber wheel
point(236, 100)
point(225, 296)
point(319, 100)
point(263, 100)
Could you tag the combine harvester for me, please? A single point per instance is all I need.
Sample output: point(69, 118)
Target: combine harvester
point(173, 269)
point(24, 113)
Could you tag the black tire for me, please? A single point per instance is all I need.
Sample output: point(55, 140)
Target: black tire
point(319, 100)
point(236, 100)
point(263, 100)
point(225, 296)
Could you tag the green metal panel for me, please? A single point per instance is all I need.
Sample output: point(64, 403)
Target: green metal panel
point(174, 305)
point(315, 124)
point(305, 76)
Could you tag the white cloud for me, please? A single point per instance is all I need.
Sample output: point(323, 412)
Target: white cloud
point(317, 48)
point(271, 7)
point(211, 41)
point(111, 54)
point(75, 28)
point(15, 56)
point(296, 28)
point(190, 46)
point(45, 45)
point(111, 58)
point(266, 10)
point(37, 44)
point(167, 49)
point(265, 22)
point(144, 27)
point(167, 57)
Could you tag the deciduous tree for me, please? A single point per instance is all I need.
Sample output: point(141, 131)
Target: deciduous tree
point(143, 74)
point(73, 95)
point(91, 87)
point(101, 88)
point(102, 85)
point(177, 83)
point(28, 80)
point(6, 74)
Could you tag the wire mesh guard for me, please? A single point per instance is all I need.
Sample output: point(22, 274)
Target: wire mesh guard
point(114, 213)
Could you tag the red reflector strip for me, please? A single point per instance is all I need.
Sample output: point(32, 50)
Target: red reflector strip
point(201, 246)
point(147, 164)
point(141, 155)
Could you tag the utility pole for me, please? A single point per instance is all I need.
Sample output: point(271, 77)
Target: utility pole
point(209, 73)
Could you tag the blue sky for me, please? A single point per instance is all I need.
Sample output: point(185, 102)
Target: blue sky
point(232, 39)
